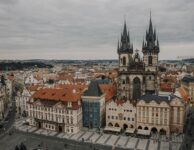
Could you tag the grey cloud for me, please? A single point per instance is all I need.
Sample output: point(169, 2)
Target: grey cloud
point(88, 27)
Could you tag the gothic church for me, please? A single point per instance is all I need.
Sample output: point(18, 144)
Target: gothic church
point(137, 76)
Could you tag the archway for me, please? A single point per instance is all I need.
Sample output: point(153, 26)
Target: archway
point(39, 125)
point(60, 129)
point(125, 126)
point(162, 132)
point(116, 125)
point(136, 88)
point(146, 128)
point(140, 127)
point(154, 130)
point(110, 124)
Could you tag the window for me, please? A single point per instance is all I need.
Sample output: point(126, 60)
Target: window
point(124, 61)
point(128, 119)
point(150, 60)
point(124, 118)
point(112, 117)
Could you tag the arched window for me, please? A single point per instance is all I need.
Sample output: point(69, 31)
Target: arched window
point(150, 60)
point(124, 61)
point(136, 88)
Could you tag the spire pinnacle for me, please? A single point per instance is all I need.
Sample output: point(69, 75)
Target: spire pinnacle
point(118, 46)
point(150, 25)
point(125, 28)
point(143, 43)
point(158, 42)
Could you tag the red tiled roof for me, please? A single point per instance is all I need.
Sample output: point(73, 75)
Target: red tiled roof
point(120, 102)
point(66, 95)
point(33, 88)
point(183, 93)
point(109, 90)
point(166, 87)
point(77, 87)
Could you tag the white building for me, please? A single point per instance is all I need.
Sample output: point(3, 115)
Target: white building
point(160, 114)
point(56, 109)
point(120, 115)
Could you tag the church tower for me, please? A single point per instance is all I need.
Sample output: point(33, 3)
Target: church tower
point(124, 49)
point(150, 49)
point(131, 69)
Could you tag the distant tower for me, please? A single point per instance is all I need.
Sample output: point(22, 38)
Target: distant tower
point(150, 49)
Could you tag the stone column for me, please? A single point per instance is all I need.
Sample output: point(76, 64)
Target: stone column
point(150, 114)
point(181, 116)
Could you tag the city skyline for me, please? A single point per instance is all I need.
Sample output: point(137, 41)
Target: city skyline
point(90, 30)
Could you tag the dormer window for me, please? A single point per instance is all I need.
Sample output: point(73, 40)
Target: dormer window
point(69, 104)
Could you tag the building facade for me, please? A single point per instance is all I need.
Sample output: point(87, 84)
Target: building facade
point(93, 106)
point(120, 115)
point(56, 109)
point(137, 76)
point(187, 83)
point(160, 114)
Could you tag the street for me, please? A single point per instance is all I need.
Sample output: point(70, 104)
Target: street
point(9, 119)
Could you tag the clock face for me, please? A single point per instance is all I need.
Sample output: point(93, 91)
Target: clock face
point(136, 59)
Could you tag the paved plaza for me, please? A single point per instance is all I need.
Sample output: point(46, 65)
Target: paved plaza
point(117, 141)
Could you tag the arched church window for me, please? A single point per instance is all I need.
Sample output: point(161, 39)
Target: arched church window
point(124, 61)
point(150, 60)
point(136, 88)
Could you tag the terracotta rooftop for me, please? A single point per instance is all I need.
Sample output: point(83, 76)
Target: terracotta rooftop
point(183, 93)
point(66, 95)
point(109, 90)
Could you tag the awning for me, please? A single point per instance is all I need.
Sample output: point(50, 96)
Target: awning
point(130, 130)
point(115, 129)
point(143, 132)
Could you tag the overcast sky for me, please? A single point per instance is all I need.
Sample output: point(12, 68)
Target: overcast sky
point(90, 29)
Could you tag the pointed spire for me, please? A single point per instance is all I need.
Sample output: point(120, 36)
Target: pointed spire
point(158, 42)
point(125, 28)
point(118, 46)
point(143, 44)
point(128, 37)
point(124, 45)
point(150, 25)
point(154, 34)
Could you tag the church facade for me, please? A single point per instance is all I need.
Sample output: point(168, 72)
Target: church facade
point(137, 76)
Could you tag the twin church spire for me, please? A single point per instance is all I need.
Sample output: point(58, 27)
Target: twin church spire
point(124, 45)
point(150, 43)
